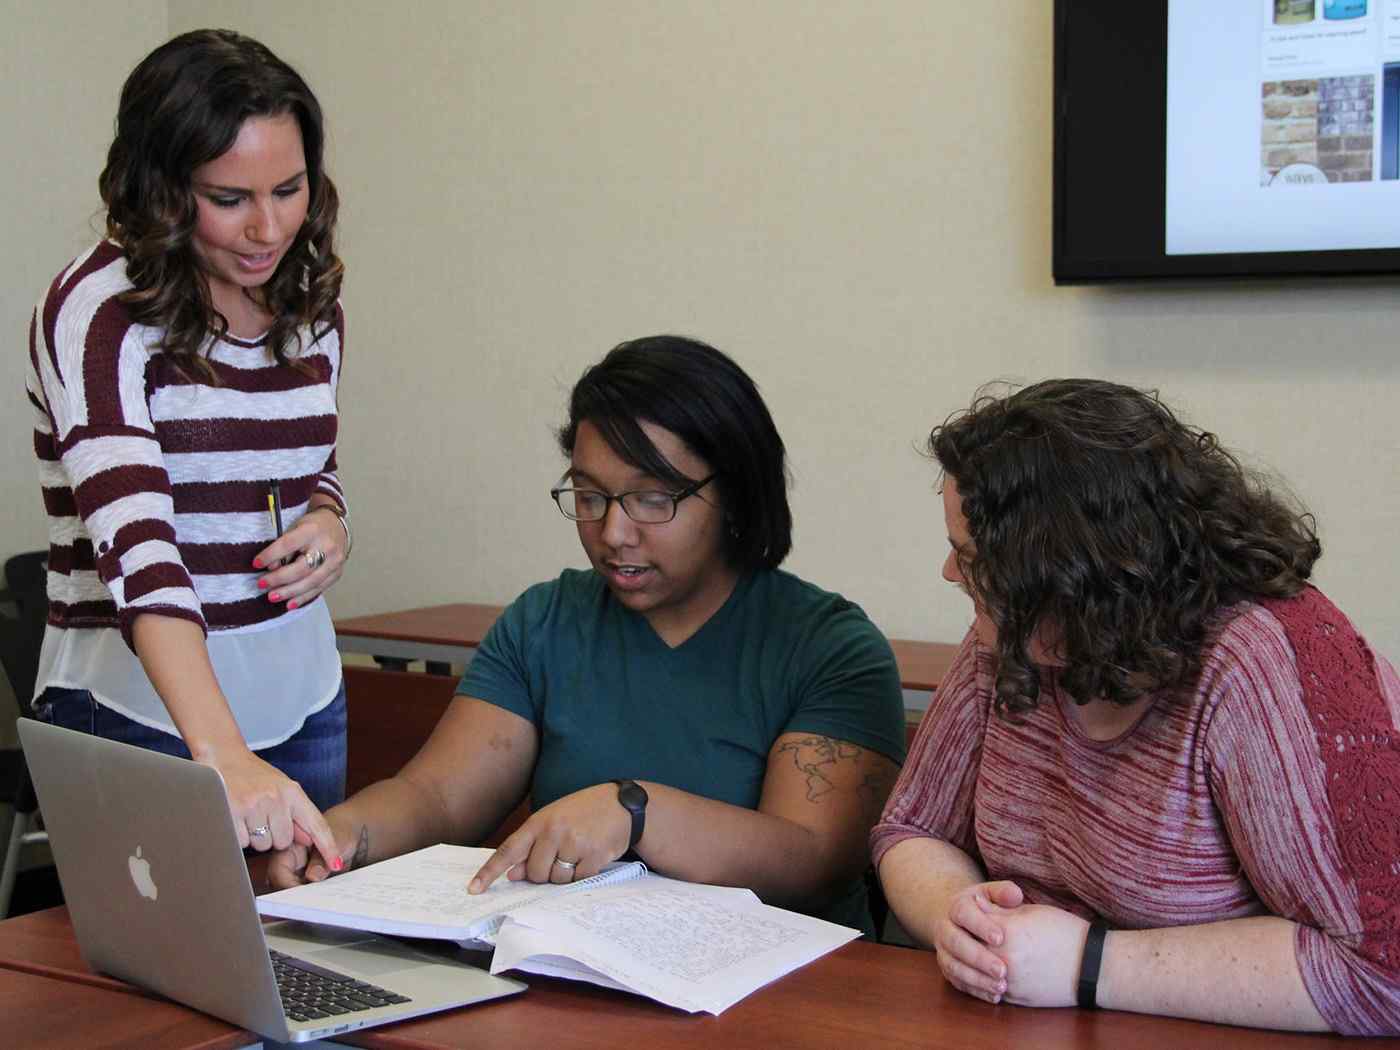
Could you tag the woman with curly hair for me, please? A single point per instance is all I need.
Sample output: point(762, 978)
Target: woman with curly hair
point(183, 374)
point(1163, 774)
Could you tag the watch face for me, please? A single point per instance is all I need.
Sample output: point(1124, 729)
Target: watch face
point(632, 796)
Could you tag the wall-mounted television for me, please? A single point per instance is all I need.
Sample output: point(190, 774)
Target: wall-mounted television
point(1226, 138)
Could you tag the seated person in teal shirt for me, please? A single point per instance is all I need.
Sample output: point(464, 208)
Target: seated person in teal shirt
point(683, 700)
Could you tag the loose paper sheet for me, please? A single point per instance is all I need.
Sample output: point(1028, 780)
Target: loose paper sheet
point(689, 946)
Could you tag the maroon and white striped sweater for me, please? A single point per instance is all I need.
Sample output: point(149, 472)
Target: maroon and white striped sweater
point(155, 483)
point(1272, 787)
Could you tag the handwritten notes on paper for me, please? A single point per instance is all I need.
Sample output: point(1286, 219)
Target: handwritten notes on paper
point(690, 946)
point(420, 894)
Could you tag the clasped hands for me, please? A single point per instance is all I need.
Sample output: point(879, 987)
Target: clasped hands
point(994, 946)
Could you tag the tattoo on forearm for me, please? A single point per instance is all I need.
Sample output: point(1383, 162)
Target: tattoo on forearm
point(815, 756)
point(361, 856)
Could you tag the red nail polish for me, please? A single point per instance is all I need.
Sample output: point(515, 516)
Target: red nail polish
point(337, 863)
point(262, 585)
point(257, 563)
point(291, 605)
point(274, 597)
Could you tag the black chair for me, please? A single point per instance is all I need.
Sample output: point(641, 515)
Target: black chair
point(21, 634)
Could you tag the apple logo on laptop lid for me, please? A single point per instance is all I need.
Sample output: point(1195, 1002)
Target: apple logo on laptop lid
point(141, 875)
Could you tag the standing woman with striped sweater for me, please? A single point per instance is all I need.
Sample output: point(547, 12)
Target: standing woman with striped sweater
point(183, 374)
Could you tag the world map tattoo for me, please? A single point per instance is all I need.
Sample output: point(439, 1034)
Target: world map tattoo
point(815, 756)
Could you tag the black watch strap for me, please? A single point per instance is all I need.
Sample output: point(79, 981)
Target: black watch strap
point(633, 798)
point(1088, 989)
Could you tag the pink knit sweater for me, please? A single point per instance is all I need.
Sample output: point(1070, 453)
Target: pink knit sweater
point(1272, 787)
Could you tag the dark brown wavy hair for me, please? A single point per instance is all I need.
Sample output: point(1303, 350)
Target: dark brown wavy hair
point(182, 107)
point(1093, 510)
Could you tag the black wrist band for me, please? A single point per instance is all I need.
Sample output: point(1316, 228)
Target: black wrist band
point(1088, 989)
point(633, 798)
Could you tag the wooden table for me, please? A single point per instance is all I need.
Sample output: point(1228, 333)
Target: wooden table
point(862, 995)
point(49, 998)
point(47, 1012)
point(440, 635)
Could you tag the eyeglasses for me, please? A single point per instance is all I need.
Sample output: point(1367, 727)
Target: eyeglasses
point(644, 506)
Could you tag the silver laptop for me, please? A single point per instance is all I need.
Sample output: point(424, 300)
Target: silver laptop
point(158, 891)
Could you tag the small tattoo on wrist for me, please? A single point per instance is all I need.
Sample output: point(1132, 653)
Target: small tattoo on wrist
point(361, 855)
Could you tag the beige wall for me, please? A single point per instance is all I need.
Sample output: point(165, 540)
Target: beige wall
point(63, 65)
point(853, 199)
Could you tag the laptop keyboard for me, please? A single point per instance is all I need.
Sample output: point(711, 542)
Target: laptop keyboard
point(311, 992)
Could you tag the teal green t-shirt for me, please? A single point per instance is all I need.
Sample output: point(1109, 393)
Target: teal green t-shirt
point(610, 699)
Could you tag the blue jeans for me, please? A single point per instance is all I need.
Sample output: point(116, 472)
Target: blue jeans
point(313, 756)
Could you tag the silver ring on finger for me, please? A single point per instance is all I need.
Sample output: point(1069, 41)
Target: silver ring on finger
point(314, 557)
point(259, 832)
point(567, 865)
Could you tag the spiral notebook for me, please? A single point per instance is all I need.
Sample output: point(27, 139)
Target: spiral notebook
point(424, 894)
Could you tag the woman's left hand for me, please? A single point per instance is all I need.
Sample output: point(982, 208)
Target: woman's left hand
point(584, 831)
point(315, 552)
point(1042, 947)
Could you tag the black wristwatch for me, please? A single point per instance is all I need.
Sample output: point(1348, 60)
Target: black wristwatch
point(634, 799)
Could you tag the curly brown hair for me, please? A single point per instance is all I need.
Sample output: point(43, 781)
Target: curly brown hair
point(182, 107)
point(1095, 511)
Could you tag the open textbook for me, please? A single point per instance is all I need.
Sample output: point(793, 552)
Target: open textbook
point(689, 946)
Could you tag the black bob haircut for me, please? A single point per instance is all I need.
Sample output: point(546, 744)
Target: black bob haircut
point(710, 403)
